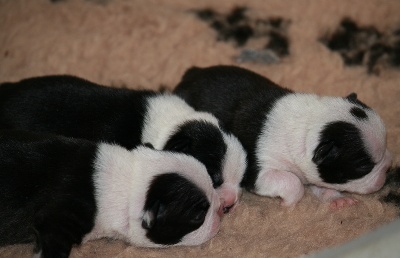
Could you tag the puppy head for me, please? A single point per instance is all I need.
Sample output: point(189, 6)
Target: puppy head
point(197, 134)
point(350, 152)
point(222, 154)
point(179, 205)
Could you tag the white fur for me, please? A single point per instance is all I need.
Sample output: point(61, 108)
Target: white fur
point(165, 113)
point(290, 135)
point(122, 179)
point(234, 166)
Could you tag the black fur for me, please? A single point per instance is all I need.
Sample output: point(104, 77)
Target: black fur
point(341, 155)
point(352, 98)
point(74, 107)
point(195, 138)
point(46, 191)
point(239, 98)
point(178, 207)
point(359, 113)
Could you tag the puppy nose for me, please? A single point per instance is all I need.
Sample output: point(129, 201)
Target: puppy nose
point(226, 209)
point(221, 210)
point(228, 199)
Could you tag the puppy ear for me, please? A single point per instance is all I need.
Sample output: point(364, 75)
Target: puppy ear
point(156, 212)
point(179, 144)
point(352, 96)
point(323, 151)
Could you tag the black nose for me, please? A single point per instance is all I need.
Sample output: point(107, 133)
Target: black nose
point(227, 209)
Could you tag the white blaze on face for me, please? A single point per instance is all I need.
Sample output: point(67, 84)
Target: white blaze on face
point(122, 179)
point(233, 168)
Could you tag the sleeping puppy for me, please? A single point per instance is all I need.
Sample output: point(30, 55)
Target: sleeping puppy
point(59, 191)
point(74, 107)
point(171, 124)
point(332, 143)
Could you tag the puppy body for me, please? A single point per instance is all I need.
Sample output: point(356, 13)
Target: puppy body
point(60, 189)
point(73, 107)
point(333, 143)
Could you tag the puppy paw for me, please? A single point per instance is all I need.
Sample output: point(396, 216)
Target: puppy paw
point(342, 202)
point(335, 198)
point(283, 184)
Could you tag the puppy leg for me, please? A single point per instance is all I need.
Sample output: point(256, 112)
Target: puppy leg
point(57, 230)
point(283, 184)
point(336, 199)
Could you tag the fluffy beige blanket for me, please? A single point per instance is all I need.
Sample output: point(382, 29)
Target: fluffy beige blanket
point(150, 43)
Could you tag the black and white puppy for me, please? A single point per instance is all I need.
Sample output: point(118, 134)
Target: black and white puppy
point(332, 143)
point(74, 107)
point(171, 124)
point(59, 191)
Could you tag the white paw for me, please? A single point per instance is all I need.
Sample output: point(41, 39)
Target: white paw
point(283, 184)
point(336, 199)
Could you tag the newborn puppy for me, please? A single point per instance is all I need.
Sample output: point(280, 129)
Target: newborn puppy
point(74, 107)
point(171, 124)
point(57, 191)
point(332, 143)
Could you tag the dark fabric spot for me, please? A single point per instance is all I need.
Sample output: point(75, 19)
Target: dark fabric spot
point(206, 14)
point(392, 198)
point(393, 178)
point(365, 45)
point(279, 44)
point(239, 27)
point(395, 54)
point(237, 15)
point(276, 22)
point(241, 34)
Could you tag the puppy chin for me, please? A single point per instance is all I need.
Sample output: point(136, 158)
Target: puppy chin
point(379, 172)
point(209, 228)
point(370, 183)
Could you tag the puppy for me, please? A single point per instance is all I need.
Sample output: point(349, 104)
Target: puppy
point(332, 143)
point(59, 191)
point(171, 124)
point(74, 107)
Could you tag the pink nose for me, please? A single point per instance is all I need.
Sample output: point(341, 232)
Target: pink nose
point(228, 199)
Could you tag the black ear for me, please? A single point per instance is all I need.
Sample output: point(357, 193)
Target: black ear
point(179, 144)
point(156, 212)
point(352, 96)
point(323, 151)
